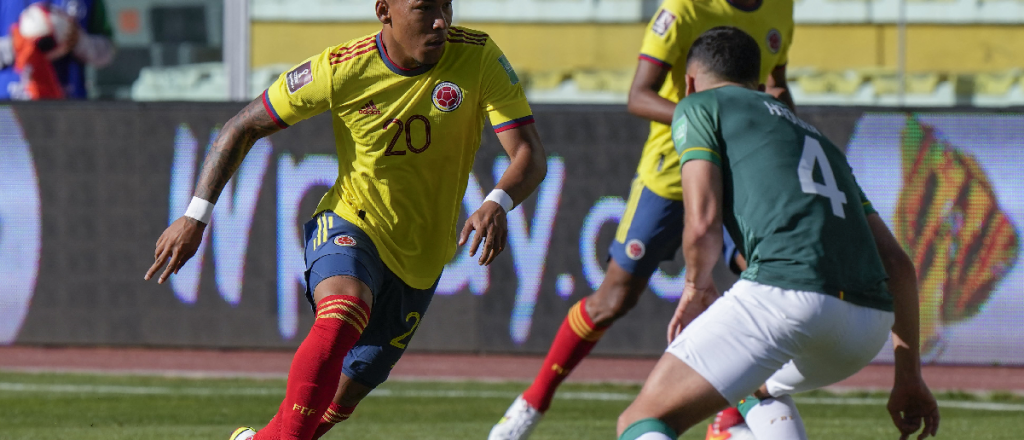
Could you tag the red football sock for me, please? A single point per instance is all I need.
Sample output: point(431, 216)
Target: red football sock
point(272, 431)
point(316, 369)
point(574, 340)
point(335, 414)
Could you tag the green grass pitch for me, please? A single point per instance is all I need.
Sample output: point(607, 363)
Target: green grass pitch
point(84, 407)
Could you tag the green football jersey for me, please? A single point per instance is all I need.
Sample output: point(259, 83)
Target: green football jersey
point(790, 199)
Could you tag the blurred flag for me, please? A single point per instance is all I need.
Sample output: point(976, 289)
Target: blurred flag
point(949, 220)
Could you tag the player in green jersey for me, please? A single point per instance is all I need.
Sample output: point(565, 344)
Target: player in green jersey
point(825, 281)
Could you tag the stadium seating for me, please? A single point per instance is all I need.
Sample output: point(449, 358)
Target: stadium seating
point(583, 51)
point(809, 86)
point(616, 81)
point(545, 80)
point(197, 82)
point(562, 11)
point(626, 11)
point(996, 83)
point(872, 86)
point(917, 11)
point(999, 89)
point(881, 87)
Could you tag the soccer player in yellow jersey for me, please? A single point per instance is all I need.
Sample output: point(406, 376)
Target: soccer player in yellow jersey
point(650, 230)
point(408, 105)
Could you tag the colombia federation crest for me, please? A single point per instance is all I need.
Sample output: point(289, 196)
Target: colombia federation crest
point(774, 40)
point(344, 240)
point(447, 96)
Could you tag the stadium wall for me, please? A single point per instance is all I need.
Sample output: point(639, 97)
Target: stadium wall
point(539, 47)
point(86, 188)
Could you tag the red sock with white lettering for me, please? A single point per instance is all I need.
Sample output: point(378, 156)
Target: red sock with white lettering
point(573, 342)
point(316, 369)
point(335, 414)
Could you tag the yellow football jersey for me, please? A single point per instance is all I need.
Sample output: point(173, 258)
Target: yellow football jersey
point(405, 139)
point(667, 41)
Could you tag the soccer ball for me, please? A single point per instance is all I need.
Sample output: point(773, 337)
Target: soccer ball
point(50, 26)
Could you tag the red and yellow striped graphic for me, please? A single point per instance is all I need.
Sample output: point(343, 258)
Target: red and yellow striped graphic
point(580, 323)
point(342, 54)
point(334, 417)
point(949, 220)
point(344, 310)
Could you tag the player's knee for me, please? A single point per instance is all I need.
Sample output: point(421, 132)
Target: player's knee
point(345, 286)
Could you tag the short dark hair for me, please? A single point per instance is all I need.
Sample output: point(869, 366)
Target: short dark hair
point(729, 54)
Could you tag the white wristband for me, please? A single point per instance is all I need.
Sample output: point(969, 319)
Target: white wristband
point(502, 198)
point(200, 209)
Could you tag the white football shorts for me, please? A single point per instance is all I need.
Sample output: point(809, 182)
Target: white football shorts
point(792, 340)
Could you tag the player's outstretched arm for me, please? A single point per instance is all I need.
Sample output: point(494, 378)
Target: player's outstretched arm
point(182, 238)
point(644, 100)
point(702, 240)
point(525, 172)
point(910, 403)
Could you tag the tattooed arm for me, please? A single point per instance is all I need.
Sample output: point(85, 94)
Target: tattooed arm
point(232, 144)
point(181, 239)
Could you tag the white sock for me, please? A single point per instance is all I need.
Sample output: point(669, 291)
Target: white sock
point(776, 419)
point(654, 436)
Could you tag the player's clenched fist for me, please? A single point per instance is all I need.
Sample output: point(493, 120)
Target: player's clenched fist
point(176, 245)
point(491, 226)
point(910, 405)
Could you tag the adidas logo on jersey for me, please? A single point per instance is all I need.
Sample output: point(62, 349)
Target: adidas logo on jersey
point(369, 109)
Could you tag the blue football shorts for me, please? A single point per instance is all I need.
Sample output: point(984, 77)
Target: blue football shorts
point(651, 231)
point(336, 247)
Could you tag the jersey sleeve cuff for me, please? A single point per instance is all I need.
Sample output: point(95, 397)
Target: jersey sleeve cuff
point(511, 116)
point(525, 120)
point(869, 208)
point(272, 111)
point(657, 61)
point(700, 153)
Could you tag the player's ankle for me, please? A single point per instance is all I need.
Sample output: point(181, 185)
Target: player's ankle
point(536, 402)
point(603, 319)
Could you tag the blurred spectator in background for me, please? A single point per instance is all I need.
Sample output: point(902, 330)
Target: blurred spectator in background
point(45, 47)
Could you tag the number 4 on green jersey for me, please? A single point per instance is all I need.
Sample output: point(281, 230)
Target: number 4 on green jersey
point(813, 154)
point(790, 198)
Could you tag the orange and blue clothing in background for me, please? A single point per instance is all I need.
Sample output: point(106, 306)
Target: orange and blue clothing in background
point(91, 17)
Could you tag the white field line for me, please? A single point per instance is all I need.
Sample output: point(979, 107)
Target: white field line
point(449, 394)
point(135, 390)
point(958, 404)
